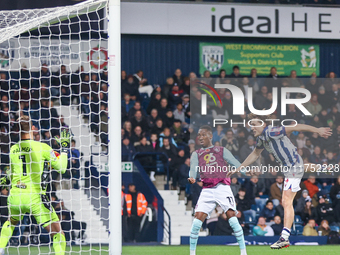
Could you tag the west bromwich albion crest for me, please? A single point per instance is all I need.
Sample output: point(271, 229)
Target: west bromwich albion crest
point(212, 57)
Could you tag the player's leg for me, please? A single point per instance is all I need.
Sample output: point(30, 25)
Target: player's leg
point(6, 233)
point(195, 230)
point(292, 186)
point(238, 231)
point(14, 203)
point(44, 214)
point(58, 237)
point(205, 205)
point(226, 200)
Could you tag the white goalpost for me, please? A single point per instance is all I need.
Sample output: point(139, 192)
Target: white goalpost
point(115, 139)
point(62, 67)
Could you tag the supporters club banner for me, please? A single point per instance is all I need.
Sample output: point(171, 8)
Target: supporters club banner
point(304, 59)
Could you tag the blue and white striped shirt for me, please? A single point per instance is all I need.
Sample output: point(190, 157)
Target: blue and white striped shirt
point(275, 141)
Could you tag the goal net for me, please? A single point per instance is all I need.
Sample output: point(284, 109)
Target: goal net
point(53, 68)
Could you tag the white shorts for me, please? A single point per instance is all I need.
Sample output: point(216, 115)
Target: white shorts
point(292, 184)
point(221, 195)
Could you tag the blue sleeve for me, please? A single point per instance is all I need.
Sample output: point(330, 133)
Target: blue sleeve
point(193, 164)
point(230, 158)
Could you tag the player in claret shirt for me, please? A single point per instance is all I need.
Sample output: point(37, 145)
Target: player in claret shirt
point(27, 181)
point(212, 163)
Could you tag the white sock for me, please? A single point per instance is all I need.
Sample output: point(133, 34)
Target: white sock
point(192, 252)
point(243, 252)
point(285, 233)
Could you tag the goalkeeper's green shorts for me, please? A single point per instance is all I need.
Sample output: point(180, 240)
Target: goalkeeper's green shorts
point(37, 205)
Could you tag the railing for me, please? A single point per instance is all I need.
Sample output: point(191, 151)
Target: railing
point(167, 226)
point(164, 156)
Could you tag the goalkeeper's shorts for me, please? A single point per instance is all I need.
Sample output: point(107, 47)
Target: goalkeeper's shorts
point(37, 205)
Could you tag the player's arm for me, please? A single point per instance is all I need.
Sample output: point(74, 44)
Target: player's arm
point(193, 164)
point(323, 132)
point(248, 161)
point(58, 162)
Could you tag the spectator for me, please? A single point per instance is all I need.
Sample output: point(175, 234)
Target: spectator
point(230, 143)
point(168, 86)
point(136, 205)
point(311, 186)
point(254, 188)
point(139, 120)
point(268, 212)
point(243, 203)
point(308, 210)
point(163, 109)
point(261, 229)
point(186, 85)
point(152, 118)
point(179, 113)
point(247, 148)
point(316, 157)
point(324, 228)
point(178, 77)
point(183, 173)
point(137, 135)
point(218, 134)
point(155, 103)
point(235, 186)
point(169, 119)
point(309, 229)
point(324, 211)
point(236, 77)
point(261, 99)
point(143, 83)
point(178, 132)
point(130, 86)
point(166, 134)
point(127, 103)
point(168, 148)
point(175, 96)
point(212, 221)
point(301, 202)
point(159, 127)
point(313, 105)
point(127, 150)
point(277, 226)
point(154, 142)
point(294, 81)
point(276, 190)
point(335, 196)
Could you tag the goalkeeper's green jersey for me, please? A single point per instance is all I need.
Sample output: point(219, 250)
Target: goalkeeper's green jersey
point(28, 158)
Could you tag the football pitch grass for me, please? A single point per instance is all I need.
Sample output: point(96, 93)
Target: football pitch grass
point(230, 250)
point(182, 250)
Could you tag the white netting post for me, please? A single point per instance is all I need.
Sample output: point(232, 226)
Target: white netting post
point(114, 100)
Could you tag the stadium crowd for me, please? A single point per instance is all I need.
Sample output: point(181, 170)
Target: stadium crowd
point(157, 119)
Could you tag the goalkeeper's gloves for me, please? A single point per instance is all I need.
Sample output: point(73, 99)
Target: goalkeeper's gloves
point(4, 183)
point(65, 140)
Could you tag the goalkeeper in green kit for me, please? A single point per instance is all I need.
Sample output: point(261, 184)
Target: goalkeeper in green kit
point(27, 188)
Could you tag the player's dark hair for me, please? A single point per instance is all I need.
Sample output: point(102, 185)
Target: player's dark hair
point(25, 124)
point(252, 116)
point(206, 127)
